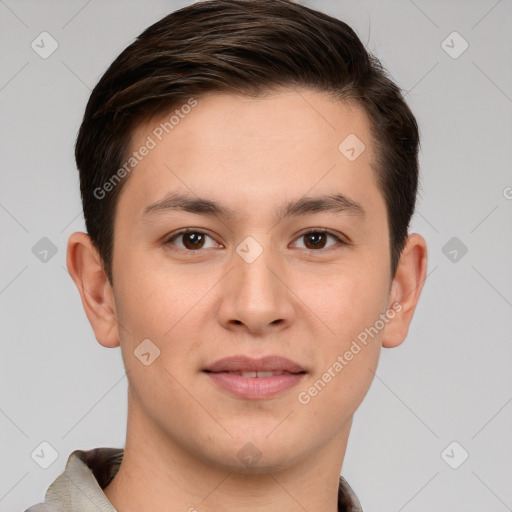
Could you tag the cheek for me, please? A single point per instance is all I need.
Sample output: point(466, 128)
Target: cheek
point(348, 301)
point(151, 299)
point(335, 394)
point(347, 360)
point(350, 307)
point(158, 307)
point(162, 307)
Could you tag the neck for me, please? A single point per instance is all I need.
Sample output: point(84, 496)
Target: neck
point(157, 473)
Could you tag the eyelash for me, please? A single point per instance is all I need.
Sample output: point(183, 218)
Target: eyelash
point(176, 235)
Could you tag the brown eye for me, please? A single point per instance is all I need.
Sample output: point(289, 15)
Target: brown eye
point(189, 240)
point(193, 240)
point(317, 239)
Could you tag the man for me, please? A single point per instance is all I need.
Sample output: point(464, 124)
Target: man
point(248, 173)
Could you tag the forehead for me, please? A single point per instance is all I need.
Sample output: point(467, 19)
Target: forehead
point(283, 115)
point(285, 143)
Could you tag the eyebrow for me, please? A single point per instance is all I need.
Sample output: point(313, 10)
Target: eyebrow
point(335, 203)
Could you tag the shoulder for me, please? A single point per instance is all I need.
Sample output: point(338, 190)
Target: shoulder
point(79, 486)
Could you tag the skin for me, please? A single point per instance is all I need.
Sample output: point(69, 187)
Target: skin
point(297, 301)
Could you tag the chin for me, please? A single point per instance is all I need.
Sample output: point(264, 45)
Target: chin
point(259, 453)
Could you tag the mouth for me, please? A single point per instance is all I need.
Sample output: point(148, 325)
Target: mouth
point(256, 375)
point(263, 365)
point(250, 378)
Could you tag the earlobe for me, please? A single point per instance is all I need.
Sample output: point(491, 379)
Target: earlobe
point(85, 268)
point(406, 289)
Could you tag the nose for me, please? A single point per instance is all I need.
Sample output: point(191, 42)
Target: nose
point(255, 295)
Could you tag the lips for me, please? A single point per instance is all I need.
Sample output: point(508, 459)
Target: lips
point(255, 379)
point(247, 365)
point(259, 375)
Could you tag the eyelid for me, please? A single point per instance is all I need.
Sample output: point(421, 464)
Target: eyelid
point(320, 230)
point(339, 238)
point(183, 231)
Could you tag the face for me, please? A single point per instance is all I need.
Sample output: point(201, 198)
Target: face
point(271, 266)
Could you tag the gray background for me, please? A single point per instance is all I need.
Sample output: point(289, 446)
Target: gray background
point(450, 381)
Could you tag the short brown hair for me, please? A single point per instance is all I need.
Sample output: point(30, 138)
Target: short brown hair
point(249, 47)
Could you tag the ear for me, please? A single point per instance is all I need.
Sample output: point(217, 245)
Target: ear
point(86, 270)
point(406, 289)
